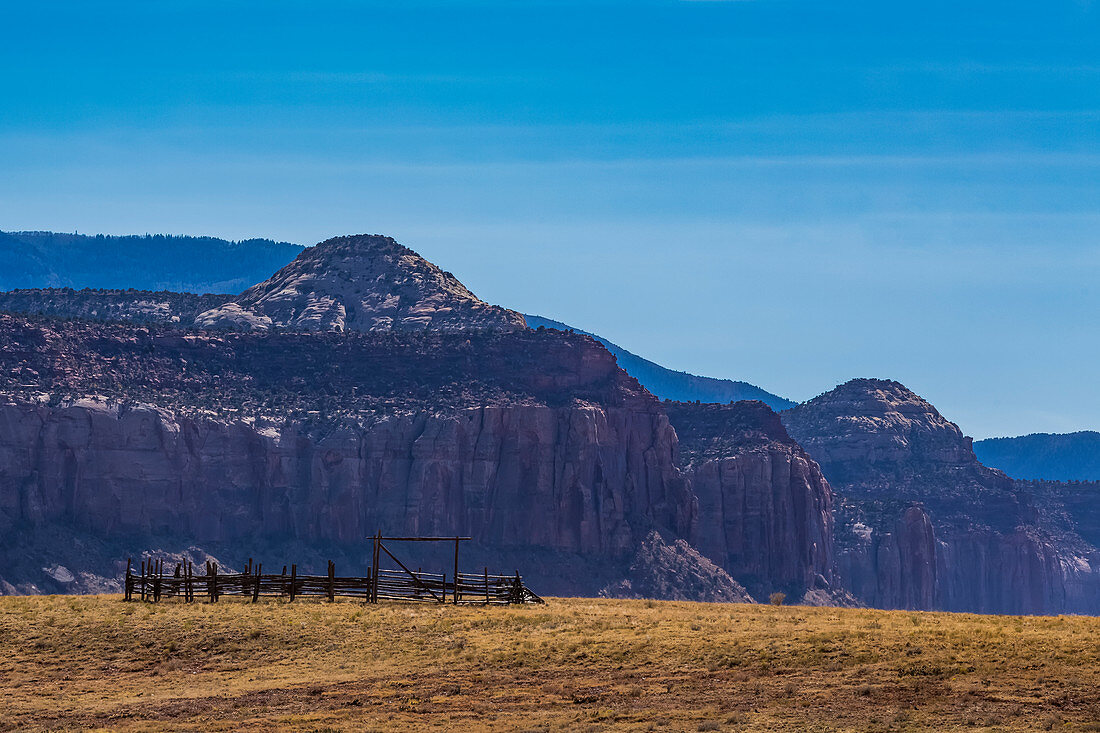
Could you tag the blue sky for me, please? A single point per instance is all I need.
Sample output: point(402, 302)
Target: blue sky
point(789, 193)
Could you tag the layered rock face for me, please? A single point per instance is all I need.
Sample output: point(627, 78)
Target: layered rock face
point(585, 479)
point(533, 442)
point(360, 283)
point(527, 441)
point(135, 306)
point(764, 506)
point(316, 377)
point(920, 522)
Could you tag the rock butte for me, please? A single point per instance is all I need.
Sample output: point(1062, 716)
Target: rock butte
point(359, 283)
point(922, 524)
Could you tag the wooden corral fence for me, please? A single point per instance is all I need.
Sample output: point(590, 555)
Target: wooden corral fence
point(150, 583)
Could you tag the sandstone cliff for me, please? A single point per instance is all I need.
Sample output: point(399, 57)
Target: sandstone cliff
point(920, 522)
point(359, 283)
point(589, 480)
point(531, 442)
point(764, 507)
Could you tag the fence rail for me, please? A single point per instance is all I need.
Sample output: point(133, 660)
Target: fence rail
point(152, 584)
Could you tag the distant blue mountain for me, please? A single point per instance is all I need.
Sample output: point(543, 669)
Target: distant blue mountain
point(149, 262)
point(1044, 456)
point(669, 384)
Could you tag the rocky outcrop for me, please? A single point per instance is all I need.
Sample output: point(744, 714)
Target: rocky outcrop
point(135, 306)
point(315, 377)
point(362, 388)
point(920, 523)
point(869, 429)
point(1069, 514)
point(235, 317)
point(59, 559)
point(764, 507)
point(675, 572)
point(360, 283)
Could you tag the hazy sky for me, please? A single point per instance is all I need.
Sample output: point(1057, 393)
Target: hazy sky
point(789, 193)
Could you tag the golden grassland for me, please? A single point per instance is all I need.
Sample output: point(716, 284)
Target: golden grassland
point(573, 664)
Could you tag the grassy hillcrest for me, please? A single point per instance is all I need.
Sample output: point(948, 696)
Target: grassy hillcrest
point(574, 664)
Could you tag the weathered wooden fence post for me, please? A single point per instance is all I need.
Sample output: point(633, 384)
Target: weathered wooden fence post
point(293, 581)
point(455, 594)
point(126, 589)
point(374, 568)
point(331, 581)
point(256, 587)
point(486, 586)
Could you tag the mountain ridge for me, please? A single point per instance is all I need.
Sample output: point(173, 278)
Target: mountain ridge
point(670, 384)
point(317, 431)
point(35, 287)
point(533, 441)
point(1044, 456)
point(184, 263)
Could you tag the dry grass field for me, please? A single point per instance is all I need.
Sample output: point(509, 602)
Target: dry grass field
point(573, 664)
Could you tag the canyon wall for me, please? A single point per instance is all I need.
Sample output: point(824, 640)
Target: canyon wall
point(764, 506)
point(586, 479)
point(921, 524)
point(584, 482)
point(527, 441)
point(534, 443)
